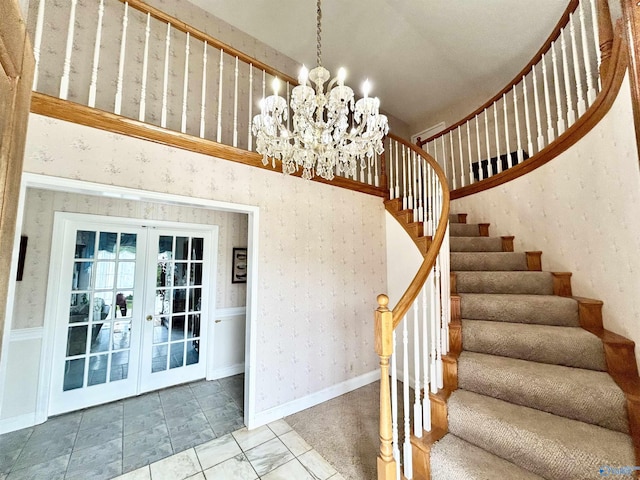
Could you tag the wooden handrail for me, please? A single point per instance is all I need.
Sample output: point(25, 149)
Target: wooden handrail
point(564, 19)
point(610, 88)
point(200, 35)
point(412, 292)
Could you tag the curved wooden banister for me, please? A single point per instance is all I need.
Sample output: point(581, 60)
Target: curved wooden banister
point(429, 261)
point(573, 4)
point(610, 88)
point(200, 35)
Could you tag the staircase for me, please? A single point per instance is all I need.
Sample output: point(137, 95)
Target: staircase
point(542, 390)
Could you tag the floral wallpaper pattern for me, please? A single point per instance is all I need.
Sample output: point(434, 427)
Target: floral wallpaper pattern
point(40, 206)
point(321, 248)
point(581, 210)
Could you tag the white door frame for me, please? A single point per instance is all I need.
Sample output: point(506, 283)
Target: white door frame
point(32, 180)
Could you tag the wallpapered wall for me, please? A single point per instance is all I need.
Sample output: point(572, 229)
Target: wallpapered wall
point(582, 210)
point(40, 206)
point(321, 262)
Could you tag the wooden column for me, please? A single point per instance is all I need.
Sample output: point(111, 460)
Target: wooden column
point(16, 79)
point(384, 349)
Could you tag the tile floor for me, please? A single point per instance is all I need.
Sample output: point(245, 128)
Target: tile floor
point(109, 440)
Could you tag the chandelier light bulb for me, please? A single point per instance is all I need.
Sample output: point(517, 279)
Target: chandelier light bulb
point(366, 88)
point(276, 86)
point(303, 76)
point(342, 75)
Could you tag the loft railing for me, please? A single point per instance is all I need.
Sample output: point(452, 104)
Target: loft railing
point(132, 60)
point(538, 107)
point(421, 315)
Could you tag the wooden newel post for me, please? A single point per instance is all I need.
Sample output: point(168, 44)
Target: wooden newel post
point(605, 32)
point(384, 349)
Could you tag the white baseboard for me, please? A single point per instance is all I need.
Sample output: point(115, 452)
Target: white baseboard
point(18, 423)
point(226, 371)
point(289, 408)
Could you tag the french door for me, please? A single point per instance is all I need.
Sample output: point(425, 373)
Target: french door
point(130, 307)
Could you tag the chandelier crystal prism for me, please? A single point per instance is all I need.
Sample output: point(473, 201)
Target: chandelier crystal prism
point(331, 131)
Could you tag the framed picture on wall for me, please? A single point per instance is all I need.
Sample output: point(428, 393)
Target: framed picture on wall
point(239, 266)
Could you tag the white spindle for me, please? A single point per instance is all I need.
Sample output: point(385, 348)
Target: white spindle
point(394, 406)
point(596, 39)
point(497, 135)
point(93, 87)
point(453, 161)
point(428, 225)
point(480, 175)
point(235, 105)
point(571, 114)
point(397, 194)
point(391, 169)
point(249, 136)
point(417, 404)
point(123, 46)
point(471, 179)
point(526, 116)
point(439, 376)
point(582, 106)
point(591, 91)
point(551, 134)
point(145, 63)
point(406, 448)
point(506, 130)
point(376, 178)
point(490, 171)
point(426, 402)
point(219, 130)
point(536, 104)
point(203, 96)
point(37, 43)
point(185, 85)
point(518, 135)
point(404, 179)
point(409, 178)
point(556, 83)
point(418, 192)
point(433, 357)
point(444, 160)
point(462, 183)
point(66, 71)
point(165, 81)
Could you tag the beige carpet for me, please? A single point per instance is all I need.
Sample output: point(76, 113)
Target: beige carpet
point(344, 431)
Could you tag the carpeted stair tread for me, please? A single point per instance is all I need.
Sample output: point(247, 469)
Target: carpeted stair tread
point(534, 283)
point(488, 261)
point(464, 230)
point(569, 346)
point(554, 447)
point(475, 244)
point(538, 309)
point(455, 459)
point(584, 395)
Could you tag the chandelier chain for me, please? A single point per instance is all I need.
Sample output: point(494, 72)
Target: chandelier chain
point(319, 34)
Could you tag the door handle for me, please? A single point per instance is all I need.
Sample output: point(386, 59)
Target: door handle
point(149, 318)
point(218, 321)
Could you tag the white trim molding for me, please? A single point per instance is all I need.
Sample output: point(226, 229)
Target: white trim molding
point(230, 312)
point(22, 334)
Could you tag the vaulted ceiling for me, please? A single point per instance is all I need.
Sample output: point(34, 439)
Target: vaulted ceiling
point(421, 56)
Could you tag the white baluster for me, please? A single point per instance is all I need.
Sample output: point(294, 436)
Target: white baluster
point(526, 116)
point(165, 82)
point(123, 47)
point(490, 171)
point(397, 195)
point(551, 134)
point(406, 450)
point(404, 180)
point(497, 135)
point(376, 178)
point(416, 190)
point(480, 173)
point(419, 213)
point(145, 63)
point(203, 97)
point(582, 106)
point(444, 161)
point(426, 402)
point(249, 136)
point(219, 130)
point(453, 161)
point(37, 43)
point(235, 106)
point(596, 39)
point(571, 114)
point(66, 71)
point(471, 179)
point(391, 169)
point(417, 404)
point(93, 87)
point(556, 83)
point(506, 131)
point(409, 166)
point(185, 85)
point(462, 182)
point(591, 91)
point(394, 406)
point(428, 224)
point(518, 135)
point(536, 104)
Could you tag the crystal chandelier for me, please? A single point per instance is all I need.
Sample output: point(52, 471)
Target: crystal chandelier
point(331, 131)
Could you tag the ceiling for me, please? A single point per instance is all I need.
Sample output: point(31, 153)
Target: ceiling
point(421, 56)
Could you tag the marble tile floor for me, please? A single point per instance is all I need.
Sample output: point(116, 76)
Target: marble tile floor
point(109, 440)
